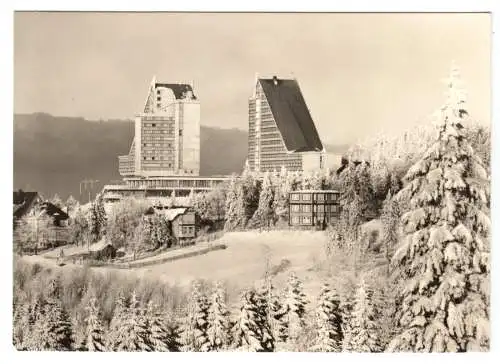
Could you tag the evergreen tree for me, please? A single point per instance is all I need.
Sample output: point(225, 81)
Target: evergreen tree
point(363, 335)
point(218, 320)
point(117, 320)
point(133, 332)
point(283, 187)
point(97, 219)
point(390, 226)
point(158, 338)
point(350, 216)
point(249, 193)
point(57, 201)
point(444, 260)
point(329, 322)
point(235, 212)
point(52, 329)
point(94, 333)
point(194, 335)
point(264, 213)
point(295, 303)
point(72, 205)
point(248, 331)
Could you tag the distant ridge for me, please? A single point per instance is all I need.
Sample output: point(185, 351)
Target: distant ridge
point(52, 154)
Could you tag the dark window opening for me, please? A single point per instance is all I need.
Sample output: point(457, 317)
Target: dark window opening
point(180, 132)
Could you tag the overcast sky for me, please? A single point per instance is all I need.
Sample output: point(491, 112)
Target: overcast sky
point(359, 73)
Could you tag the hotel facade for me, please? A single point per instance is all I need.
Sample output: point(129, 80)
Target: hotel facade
point(164, 155)
point(281, 131)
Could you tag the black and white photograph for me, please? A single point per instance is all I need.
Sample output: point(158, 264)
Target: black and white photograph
point(251, 182)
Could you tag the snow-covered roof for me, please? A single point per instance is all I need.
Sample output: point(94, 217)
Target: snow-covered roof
point(171, 214)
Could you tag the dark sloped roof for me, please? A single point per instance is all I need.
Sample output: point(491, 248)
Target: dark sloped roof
point(291, 115)
point(22, 202)
point(179, 89)
point(54, 211)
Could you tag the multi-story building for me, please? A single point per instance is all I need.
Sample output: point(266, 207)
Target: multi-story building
point(313, 208)
point(164, 156)
point(281, 131)
point(167, 134)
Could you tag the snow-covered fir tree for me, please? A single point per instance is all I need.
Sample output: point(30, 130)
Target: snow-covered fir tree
point(97, 219)
point(119, 313)
point(234, 208)
point(444, 260)
point(133, 332)
point(249, 330)
point(94, 332)
point(295, 307)
point(53, 329)
point(363, 335)
point(328, 322)
point(283, 187)
point(218, 320)
point(250, 191)
point(390, 225)
point(158, 333)
point(57, 201)
point(193, 331)
point(350, 214)
point(72, 205)
point(264, 214)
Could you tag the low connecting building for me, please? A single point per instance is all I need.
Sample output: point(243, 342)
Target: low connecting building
point(313, 208)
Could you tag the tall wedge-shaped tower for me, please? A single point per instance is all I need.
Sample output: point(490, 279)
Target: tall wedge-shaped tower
point(281, 131)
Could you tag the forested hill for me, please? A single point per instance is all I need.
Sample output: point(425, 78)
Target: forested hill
point(53, 154)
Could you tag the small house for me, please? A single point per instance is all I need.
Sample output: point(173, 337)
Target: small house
point(183, 219)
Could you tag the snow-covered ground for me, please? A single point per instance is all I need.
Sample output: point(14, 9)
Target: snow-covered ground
point(244, 260)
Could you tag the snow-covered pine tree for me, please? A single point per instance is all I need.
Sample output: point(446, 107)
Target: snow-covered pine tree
point(295, 307)
point(173, 333)
point(264, 213)
point(94, 333)
point(133, 332)
point(119, 313)
point(263, 296)
point(158, 335)
point(277, 322)
point(390, 226)
point(250, 191)
point(72, 205)
point(235, 210)
point(248, 333)
point(364, 190)
point(350, 214)
point(444, 260)
point(316, 180)
point(193, 330)
point(53, 327)
point(57, 201)
point(281, 197)
point(363, 335)
point(329, 322)
point(218, 320)
point(97, 219)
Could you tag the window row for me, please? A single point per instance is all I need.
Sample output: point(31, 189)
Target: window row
point(317, 208)
point(318, 196)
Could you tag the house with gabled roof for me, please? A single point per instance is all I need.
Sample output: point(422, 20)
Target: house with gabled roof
point(281, 131)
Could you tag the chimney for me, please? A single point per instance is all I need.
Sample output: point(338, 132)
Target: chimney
point(275, 80)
